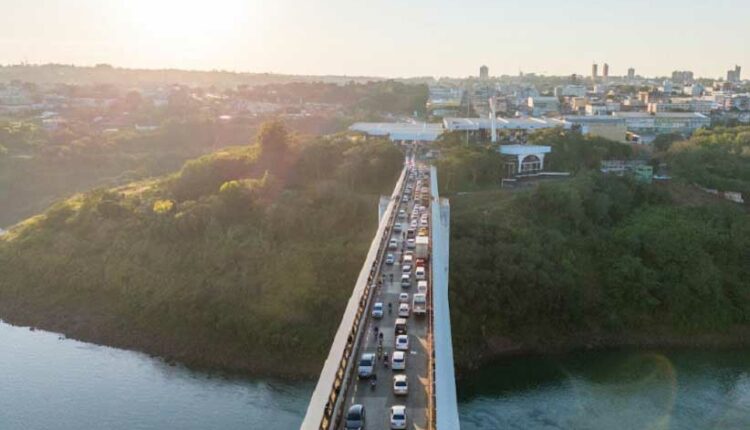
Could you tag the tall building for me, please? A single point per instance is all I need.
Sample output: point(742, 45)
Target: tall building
point(683, 77)
point(631, 73)
point(484, 72)
point(734, 76)
point(605, 71)
point(594, 71)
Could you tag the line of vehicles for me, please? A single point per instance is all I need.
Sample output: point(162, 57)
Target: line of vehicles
point(410, 235)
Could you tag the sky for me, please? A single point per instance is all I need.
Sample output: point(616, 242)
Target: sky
point(388, 38)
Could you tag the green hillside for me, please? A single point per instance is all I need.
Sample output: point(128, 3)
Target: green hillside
point(241, 261)
point(598, 261)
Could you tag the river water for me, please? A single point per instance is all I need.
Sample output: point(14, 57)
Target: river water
point(51, 383)
point(676, 390)
point(47, 383)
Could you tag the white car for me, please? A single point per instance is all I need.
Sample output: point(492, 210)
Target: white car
point(397, 227)
point(366, 365)
point(403, 310)
point(405, 280)
point(398, 360)
point(400, 385)
point(398, 417)
point(422, 287)
point(406, 268)
point(393, 244)
point(411, 243)
point(377, 310)
point(420, 273)
point(402, 342)
point(403, 298)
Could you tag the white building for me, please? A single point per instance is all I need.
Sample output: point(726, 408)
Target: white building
point(541, 105)
point(528, 158)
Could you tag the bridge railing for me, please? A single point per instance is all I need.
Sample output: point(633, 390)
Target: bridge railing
point(326, 404)
point(445, 401)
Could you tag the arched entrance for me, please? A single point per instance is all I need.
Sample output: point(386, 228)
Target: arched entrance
point(531, 164)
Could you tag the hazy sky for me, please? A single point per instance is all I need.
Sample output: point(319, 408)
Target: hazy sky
point(382, 37)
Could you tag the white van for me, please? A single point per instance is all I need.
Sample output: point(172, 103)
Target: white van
point(420, 273)
point(419, 304)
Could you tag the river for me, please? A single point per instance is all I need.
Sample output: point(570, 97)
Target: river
point(623, 390)
point(51, 383)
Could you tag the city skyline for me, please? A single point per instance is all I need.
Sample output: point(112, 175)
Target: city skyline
point(420, 39)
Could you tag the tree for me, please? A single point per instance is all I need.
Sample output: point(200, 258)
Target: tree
point(273, 139)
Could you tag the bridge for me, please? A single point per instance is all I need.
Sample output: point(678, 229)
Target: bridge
point(409, 254)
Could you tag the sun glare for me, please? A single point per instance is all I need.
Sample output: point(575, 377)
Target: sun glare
point(188, 24)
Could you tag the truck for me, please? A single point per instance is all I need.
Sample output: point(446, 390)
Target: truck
point(422, 246)
point(419, 304)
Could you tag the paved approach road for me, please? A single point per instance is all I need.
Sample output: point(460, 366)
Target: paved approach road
point(378, 401)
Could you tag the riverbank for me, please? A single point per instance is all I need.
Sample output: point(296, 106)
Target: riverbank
point(199, 353)
point(551, 344)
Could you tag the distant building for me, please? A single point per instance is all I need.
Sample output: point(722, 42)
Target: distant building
point(631, 73)
point(695, 90)
point(444, 101)
point(653, 124)
point(734, 76)
point(605, 71)
point(602, 108)
point(608, 127)
point(739, 102)
point(594, 72)
point(578, 103)
point(574, 91)
point(484, 72)
point(682, 77)
point(682, 105)
point(542, 105)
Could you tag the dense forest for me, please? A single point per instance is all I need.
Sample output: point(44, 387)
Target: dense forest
point(594, 260)
point(238, 261)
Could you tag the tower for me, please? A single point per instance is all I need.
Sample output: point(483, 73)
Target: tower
point(594, 71)
point(605, 71)
point(631, 73)
point(484, 72)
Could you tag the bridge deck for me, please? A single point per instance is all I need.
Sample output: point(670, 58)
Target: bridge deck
point(378, 401)
point(339, 386)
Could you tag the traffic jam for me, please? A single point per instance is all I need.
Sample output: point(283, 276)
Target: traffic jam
point(393, 361)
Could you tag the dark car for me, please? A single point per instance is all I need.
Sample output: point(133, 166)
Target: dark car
point(355, 418)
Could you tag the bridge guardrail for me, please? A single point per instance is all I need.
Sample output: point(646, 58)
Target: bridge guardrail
point(325, 408)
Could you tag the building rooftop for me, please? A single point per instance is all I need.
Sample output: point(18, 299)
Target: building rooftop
point(400, 130)
point(529, 123)
point(659, 115)
point(524, 149)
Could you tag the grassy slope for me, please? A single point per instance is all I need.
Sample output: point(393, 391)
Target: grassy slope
point(224, 265)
